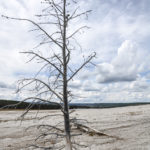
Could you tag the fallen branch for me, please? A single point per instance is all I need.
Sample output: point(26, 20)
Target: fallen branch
point(91, 131)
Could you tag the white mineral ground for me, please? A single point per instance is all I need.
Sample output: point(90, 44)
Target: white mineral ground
point(130, 124)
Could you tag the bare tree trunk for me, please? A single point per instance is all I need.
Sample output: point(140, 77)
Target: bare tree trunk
point(65, 93)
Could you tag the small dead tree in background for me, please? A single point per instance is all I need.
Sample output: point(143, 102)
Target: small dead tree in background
point(55, 21)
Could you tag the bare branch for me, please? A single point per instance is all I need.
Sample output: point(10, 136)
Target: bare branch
point(73, 16)
point(35, 25)
point(86, 62)
point(41, 57)
point(56, 6)
point(51, 90)
point(83, 27)
point(50, 126)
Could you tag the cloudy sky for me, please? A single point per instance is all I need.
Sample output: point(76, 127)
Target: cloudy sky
point(119, 34)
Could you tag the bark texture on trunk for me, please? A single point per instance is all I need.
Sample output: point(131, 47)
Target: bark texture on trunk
point(65, 92)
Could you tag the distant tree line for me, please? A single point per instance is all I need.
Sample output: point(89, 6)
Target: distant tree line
point(12, 104)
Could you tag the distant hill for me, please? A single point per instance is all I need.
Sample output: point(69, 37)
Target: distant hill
point(105, 105)
point(10, 104)
point(51, 105)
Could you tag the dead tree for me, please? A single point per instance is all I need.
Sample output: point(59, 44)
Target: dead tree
point(53, 25)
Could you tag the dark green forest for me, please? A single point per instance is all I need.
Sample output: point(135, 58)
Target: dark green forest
point(12, 104)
